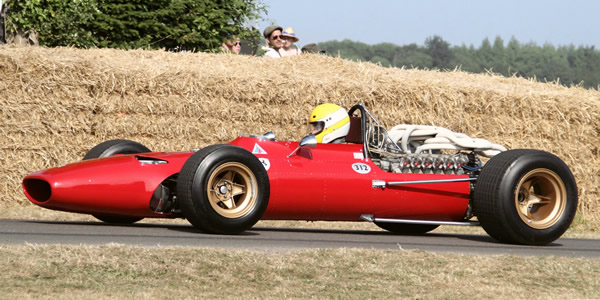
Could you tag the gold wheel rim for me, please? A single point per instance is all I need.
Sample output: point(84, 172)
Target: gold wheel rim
point(540, 198)
point(232, 190)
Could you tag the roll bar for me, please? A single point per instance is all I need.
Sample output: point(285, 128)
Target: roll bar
point(363, 125)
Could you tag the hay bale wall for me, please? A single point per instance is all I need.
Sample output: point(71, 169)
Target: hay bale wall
point(58, 103)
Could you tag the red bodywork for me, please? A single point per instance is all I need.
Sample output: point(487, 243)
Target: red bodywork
point(328, 182)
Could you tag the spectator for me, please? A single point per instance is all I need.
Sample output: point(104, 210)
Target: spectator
point(232, 46)
point(312, 48)
point(289, 38)
point(274, 41)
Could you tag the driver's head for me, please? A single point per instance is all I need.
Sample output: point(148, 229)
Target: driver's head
point(330, 122)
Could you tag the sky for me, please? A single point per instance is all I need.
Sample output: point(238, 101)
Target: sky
point(402, 22)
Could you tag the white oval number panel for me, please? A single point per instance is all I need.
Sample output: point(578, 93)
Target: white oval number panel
point(265, 162)
point(361, 168)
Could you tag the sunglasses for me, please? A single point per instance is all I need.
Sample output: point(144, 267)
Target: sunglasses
point(275, 37)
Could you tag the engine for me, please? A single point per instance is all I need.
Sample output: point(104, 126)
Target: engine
point(425, 149)
point(458, 163)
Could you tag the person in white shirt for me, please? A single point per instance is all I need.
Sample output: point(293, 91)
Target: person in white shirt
point(274, 41)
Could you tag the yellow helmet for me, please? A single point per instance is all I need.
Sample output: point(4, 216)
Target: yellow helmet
point(330, 122)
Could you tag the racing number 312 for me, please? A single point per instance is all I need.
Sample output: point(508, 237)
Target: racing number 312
point(361, 168)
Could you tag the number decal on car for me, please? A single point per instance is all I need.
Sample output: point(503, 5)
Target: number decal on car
point(361, 168)
point(266, 163)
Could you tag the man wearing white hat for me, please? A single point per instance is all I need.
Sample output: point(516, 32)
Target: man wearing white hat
point(289, 38)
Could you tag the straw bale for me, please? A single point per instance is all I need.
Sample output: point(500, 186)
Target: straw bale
point(57, 103)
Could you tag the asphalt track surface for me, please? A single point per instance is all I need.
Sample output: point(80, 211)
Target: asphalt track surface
point(21, 232)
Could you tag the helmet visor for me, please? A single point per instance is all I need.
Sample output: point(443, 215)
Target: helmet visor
point(317, 127)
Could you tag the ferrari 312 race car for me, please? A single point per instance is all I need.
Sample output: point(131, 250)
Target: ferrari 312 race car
point(408, 180)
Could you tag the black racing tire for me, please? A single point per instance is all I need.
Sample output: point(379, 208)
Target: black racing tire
point(525, 196)
point(223, 189)
point(406, 229)
point(117, 219)
point(112, 147)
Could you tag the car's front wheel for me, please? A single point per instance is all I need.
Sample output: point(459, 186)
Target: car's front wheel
point(525, 197)
point(110, 148)
point(114, 147)
point(223, 189)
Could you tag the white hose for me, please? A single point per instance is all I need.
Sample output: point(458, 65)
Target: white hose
point(425, 138)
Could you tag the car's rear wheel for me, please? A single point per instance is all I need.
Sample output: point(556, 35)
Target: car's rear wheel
point(525, 197)
point(408, 229)
point(223, 189)
point(110, 148)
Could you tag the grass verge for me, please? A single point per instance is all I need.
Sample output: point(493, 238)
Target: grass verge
point(119, 272)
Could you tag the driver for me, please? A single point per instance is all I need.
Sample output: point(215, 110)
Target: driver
point(330, 123)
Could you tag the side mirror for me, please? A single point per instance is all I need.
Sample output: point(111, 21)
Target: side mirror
point(309, 141)
point(269, 136)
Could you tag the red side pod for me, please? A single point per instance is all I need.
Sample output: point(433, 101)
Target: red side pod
point(118, 185)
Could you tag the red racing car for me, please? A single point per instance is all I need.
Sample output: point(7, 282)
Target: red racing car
point(408, 180)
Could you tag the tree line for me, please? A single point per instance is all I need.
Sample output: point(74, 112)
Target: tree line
point(568, 65)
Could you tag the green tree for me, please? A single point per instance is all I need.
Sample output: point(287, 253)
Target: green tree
point(386, 51)
point(56, 22)
point(587, 63)
point(485, 55)
point(512, 52)
point(412, 56)
point(498, 58)
point(380, 60)
point(555, 65)
point(570, 65)
point(348, 49)
point(463, 58)
point(172, 24)
point(154, 24)
point(439, 50)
